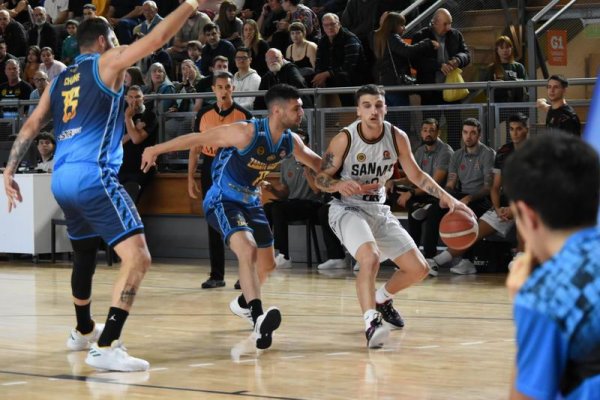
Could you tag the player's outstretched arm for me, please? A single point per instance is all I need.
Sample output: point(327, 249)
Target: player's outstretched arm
point(305, 155)
point(238, 134)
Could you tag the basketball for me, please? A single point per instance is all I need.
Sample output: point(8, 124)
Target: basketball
point(458, 230)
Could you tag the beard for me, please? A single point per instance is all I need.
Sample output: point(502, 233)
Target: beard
point(429, 141)
point(275, 67)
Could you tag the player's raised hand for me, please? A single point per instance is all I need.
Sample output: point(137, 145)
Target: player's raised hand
point(13, 192)
point(148, 159)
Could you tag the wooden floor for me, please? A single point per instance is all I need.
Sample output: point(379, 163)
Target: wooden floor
point(457, 343)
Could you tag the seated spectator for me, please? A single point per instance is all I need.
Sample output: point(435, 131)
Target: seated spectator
point(229, 25)
point(151, 19)
point(70, 47)
point(158, 56)
point(257, 46)
point(189, 32)
point(340, 59)
point(194, 52)
point(142, 127)
point(41, 82)
point(159, 83)
point(14, 88)
point(49, 65)
point(276, 34)
point(499, 219)
point(133, 76)
point(76, 10)
point(89, 11)
point(20, 10)
point(280, 71)
point(245, 79)
point(123, 15)
point(4, 57)
point(46, 144)
point(215, 46)
point(32, 64)
point(13, 34)
point(302, 52)
point(560, 115)
point(219, 63)
point(42, 33)
point(299, 12)
point(505, 68)
point(190, 81)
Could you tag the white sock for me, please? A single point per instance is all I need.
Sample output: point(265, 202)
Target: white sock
point(382, 295)
point(443, 258)
point(368, 317)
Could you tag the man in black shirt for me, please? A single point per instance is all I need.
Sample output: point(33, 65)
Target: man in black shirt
point(561, 116)
point(14, 89)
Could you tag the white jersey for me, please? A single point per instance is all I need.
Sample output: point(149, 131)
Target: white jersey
point(369, 161)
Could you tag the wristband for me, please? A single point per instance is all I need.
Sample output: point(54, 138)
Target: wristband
point(193, 3)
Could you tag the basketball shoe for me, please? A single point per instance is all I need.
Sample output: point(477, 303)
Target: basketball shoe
point(264, 327)
point(377, 333)
point(114, 358)
point(78, 341)
point(389, 314)
point(465, 267)
point(243, 313)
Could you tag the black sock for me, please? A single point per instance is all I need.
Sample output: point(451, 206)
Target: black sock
point(114, 324)
point(85, 324)
point(242, 301)
point(255, 308)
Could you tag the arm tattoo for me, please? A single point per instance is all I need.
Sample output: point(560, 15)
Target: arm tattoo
point(325, 182)
point(327, 161)
point(128, 295)
point(17, 153)
point(430, 188)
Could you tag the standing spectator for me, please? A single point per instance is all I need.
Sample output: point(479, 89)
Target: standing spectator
point(215, 46)
point(505, 68)
point(123, 15)
point(4, 57)
point(245, 79)
point(159, 83)
point(70, 48)
point(257, 46)
point(32, 63)
point(229, 24)
point(270, 26)
point(393, 56)
point(14, 89)
point(434, 65)
point(560, 115)
point(302, 52)
point(299, 12)
point(49, 64)
point(42, 34)
point(46, 144)
point(13, 34)
point(340, 58)
point(57, 11)
point(41, 82)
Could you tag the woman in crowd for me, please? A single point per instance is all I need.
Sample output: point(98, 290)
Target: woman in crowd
point(190, 78)
point(229, 25)
point(32, 64)
point(133, 76)
point(302, 52)
point(159, 83)
point(258, 47)
point(505, 68)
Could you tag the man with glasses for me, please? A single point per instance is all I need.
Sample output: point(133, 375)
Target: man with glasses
point(245, 79)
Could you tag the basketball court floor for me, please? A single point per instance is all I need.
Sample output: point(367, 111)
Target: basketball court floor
point(457, 343)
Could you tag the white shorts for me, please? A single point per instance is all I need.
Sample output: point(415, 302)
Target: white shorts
point(355, 225)
point(501, 226)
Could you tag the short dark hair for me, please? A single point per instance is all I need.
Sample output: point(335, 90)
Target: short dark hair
point(560, 78)
point(520, 118)
point(89, 31)
point(244, 50)
point(279, 92)
point(219, 58)
point(45, 136)
point(210, 27)
point(368, 89)
point(194, 44)
point(48, 49)
point(134, 87)
point(221, 75)
point(473, 122)
point(558, 176)
point(431, 121)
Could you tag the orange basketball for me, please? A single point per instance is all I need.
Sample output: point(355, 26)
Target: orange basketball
point(458, 230)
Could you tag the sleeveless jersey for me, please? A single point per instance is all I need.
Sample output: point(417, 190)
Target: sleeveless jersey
point(236, 173)
point(88, 116)
point(369, 161)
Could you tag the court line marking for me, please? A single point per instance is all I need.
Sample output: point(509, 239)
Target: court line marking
point(14, 383)
point(201, 365)
point(341, 353)
point(472, 343)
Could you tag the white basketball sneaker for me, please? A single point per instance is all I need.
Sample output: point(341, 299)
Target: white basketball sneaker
point(243, 313)
point(264, 327)
point(78, 341)
point(114, 358)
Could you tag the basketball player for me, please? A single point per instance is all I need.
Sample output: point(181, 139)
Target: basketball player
point(86, 104)
point(365, 152)
point(250, 150)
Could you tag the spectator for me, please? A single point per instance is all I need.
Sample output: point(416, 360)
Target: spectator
point(159, 83)
point(245, 79)
point(393, 56)
point(123, 15)
point(89, 11)
point(505, 68)
point(469, 180)
point(141, 125)
point(302, 52)
point(14, 89)
point(57, 11)
point(560, 115)
point(20, 10)
point(151, 19)
point(215, 46)
point(190, 32)
point(229, 25)
point(70, 48)
point(46, 144)
point(271, 30)
point(42, 34)
point(4, 57)
point(76, 9)
point(32, 64)
point(340, 58)
point(133, 76)
point(499, 219)
point(280, 71)
point(190, 81)
point(257, 46)
point(41, 82)
point(194, 52)
point(434, 65)
point(13, 34)
point(252, 9)
point(556, 282)
point(299, 12)
point(49, 65)
point(219, 63)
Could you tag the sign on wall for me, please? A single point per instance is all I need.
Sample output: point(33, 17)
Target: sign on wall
point(556, 47)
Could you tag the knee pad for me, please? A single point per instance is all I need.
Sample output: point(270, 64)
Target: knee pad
point(84, 266)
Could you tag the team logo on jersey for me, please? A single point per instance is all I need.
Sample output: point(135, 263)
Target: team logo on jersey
point(260, 150)
point(240, 221)
point(282, 153)
point(386, 155)
point(290, 174)
point(361, 157)
point(271, 158)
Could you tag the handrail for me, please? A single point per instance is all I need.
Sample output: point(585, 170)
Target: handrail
point(542, 28)
point(409, 9)
point(424, 15)
point(544, 11)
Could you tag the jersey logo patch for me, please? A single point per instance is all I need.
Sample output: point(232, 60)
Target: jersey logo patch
point(361, 157)
point(260, 150)
point(386, 155)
